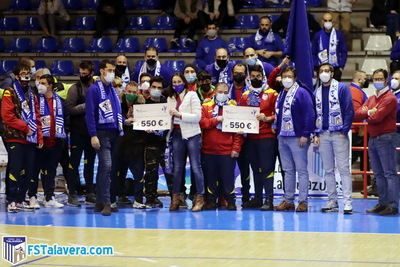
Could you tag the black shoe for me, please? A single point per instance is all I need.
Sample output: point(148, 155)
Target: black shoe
point(378, 208)
point(253, 204)
point(124, 200)
point(154, 203)
point(98, 207)
point(73, 201)
point(389, 211)
point(268, 205)
point(231, 205)
point(90, 198)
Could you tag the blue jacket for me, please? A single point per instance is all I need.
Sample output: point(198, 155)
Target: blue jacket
point(303, 113)
point(205, 52)
point(275, 45)
point(215, 73)
point(341, 48)
point(165, 73)
point(93, 100)
point(395, 54)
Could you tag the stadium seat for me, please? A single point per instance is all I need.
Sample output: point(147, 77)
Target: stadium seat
point(139, 23)
point(130, 45)
point(85, 23)
point(40, 64)
point(371, 64)
point(247, 22)
point(73, 45)
point(164, 23)
point(20, 45)
point(46, 45)
point(254, 4)
point(31, 24)
point(62, 68)
point(174, 65)
point(182, 48)
point(129, 4)
point(2, 45)
point(92, 4)
point(237, 44)
point(378, 43)
point(8, 65)
point(96, 69)
point(313, 3)
point(149, 4)
point(73, 4)
point(158, 42)
point(20, 5)
point(9, 24)
point(100, 45)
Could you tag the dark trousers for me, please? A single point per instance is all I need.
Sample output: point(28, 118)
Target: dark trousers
point(219, 170)
point(104, 22)
point(262, 157)
point(244, 168)
point(21, 169)
point(181, 26)
point(80, 144)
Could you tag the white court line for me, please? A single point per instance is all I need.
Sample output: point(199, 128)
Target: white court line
point(147, 260)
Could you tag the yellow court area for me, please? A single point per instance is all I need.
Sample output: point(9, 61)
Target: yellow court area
point(178, 248)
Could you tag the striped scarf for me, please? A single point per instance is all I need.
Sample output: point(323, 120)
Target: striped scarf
point(45, 116)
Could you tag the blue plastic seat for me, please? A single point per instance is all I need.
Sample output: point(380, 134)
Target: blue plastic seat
point(129, 44)
point(20, 45)
point(46, 45)
point(73, 4)
point(247, 22)
point(31, 24)
point(254, 4)
point(139, 23)
point(7, 65)
point(2, 45)
point(182, 48)
point(96, 69)
point(73, 45)
point(62, 68)
point(20, 5)
point(85, 23)
point(165, 23)
point(313, 3)
point(100, 45)
point(174, 65)
point(9, 24)
point(92, 4)
point(149, 4)
point(158, 42)
point(129, 4)
point(40, 64)
point(237, 44)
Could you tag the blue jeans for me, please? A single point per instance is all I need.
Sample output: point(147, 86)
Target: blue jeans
point(103, 178)
point(294, 159)
point(382, 154)
point(334, 148)
point(191, 147)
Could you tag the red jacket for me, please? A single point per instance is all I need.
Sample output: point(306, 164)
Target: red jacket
point(16, 128)
point(267, 106)
point(216, 142)
point(384, 120)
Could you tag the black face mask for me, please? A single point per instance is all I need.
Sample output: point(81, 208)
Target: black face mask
point(365, 84)
point(86, 79)
point(151, 62)
point(222, 63)
point(239, 77)
point(206, 87)
point(256, 83)
point(119, 70)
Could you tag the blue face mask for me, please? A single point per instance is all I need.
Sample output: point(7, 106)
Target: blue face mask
point(379, 85)
point(190, 77)
point(179, 88)
point(251, 61)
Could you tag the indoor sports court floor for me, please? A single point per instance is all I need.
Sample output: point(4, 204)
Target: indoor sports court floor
point(213, 238)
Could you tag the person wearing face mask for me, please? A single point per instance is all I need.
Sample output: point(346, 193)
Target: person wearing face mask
point(9, 78)
point(22, 134)
point(190, 74)
point(221, 69)
point(335, 114)
point(54, 119)
point(122, 70)
point(206, 89)
point(261, 147)
point(104, 122)
point(329, 46)
point(251, 59)
point(151, 66)
point(208, 45)
point(144, 85)
point(79, 137)
point(294, 124)
point(380, 113)
point(185, 109)
point(219, 150)
point(275, 78)
point(268, 45)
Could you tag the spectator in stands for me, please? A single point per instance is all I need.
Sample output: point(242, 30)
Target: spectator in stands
point(52, 16)
point(395, 57)
point(190, 74)
point(207, 47)
point(261, 147)
point(392, 8)
point(220, 11)
point(79, 137)
point(23, 131)
point(341, 13)
point(295, 122)
point(167, 6)
point(329, 46)
point(186, 12)
point(219, 150)
point(206, 89)
point(110, 13)
point(151, 66)
point(144, 85)
point(268, 45)
point(251, 60)
point(335, 113)
point(380, 112)
point(122, 70)
point(221, 68)
point(104, 123)
point(280, 24)
point(39, 73)
point(378, 14)
point(186, 140)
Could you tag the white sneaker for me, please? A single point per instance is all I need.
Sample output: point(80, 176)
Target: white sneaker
point(24, 206)
point(138, 205)
point(12, 208)
point(52, 203)
point(331, 206)
point(34, 203)
point(348, 208)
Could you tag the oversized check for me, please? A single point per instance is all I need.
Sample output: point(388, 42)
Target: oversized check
point(151, 117)
point(240, 119)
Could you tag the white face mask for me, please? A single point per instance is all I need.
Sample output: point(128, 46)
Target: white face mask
point(145, 86)
point(42, 89)
point(109, 77)
point(33, 70)
point(328, 25)
point(155, 93)
point(325, 76)
point(394, 84)
point(211, 33)
point(221, 97)
point(287, 82)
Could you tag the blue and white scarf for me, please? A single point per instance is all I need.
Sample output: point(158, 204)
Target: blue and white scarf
point(223, 74)
point(232, 91)
point(330, 55)
point(287, 126)
point(106, 114)
point(270, 38)
point(45, 116)
point(216, 109)
point(28, 110)
point(335, 113)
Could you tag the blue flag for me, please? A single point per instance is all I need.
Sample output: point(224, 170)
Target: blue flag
point(298, 45)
